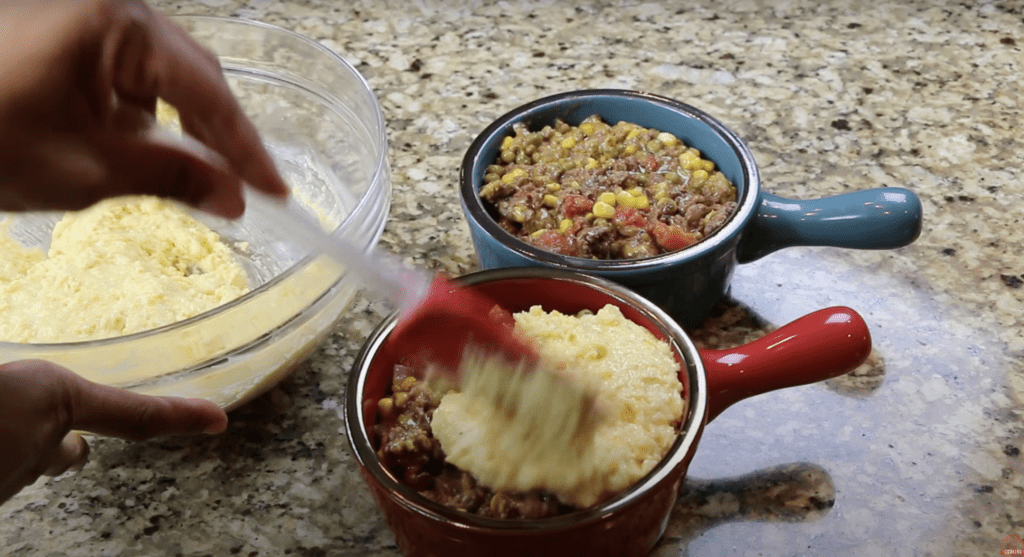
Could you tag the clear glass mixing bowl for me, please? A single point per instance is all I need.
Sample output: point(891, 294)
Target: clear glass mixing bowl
point(324, 126)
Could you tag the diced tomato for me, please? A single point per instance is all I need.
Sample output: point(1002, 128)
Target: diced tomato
point(553, 241)
point(650, 163)
point(629, 216)
point(670, 237)
point(576, 205)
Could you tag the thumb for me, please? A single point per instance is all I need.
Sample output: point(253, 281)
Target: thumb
point(120, 413)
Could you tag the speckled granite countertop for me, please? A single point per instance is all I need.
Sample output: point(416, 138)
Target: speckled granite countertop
point(916, 453)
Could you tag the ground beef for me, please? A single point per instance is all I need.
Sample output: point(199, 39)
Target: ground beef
point(408, 449)
point(604, 191)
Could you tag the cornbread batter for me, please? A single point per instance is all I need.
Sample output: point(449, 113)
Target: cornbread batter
point(122, 266)
point(638, 389)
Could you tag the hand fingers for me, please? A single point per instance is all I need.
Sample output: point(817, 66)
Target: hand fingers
point(119, 413)
point(71, 454)
point(47, 401)
point(150, 162)
point(158, 162)
point(140, 157)
point(189, 77)
point(130, 50)
point(82, 405)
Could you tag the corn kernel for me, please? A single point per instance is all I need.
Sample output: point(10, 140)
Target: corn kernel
point(511, 175)
point(635, 191)
point(591, 163)
point(564, 226)
point(401, 398)
point(520, 213)
point(660, 195)
point(607, 197)
point(687, 160)
point(568, 143)
point(698, 176)
point(406, 384)
point(633, 134)
point(637, 202)
point(536, 233)
point(603, 210)
point(507, 142)
point(587, 127)
point(385, 405)
point(554, 186)
point(490, 189)
point(550, 201)
point(630, 149)
point(667, 139)
point(623, 198)
point(707, 165)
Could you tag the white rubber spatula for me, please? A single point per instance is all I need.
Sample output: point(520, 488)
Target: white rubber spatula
point(437, 320)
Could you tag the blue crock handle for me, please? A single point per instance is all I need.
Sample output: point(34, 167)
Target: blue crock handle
point(880, 218)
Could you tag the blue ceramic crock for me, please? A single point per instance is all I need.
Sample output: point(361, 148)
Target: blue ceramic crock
point(689, 282)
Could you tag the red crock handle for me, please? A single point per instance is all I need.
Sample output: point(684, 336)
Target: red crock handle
point(818, 346)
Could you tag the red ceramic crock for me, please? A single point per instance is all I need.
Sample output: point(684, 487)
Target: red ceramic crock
point(822, 345)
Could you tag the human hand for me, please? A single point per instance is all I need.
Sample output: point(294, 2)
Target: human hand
point(44, 403)
point(81, 80)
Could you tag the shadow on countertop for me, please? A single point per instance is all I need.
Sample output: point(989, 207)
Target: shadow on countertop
point(797, 492)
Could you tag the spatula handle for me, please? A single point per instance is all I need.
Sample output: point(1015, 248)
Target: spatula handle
point(380, 273)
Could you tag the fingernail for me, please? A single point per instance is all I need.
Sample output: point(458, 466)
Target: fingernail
point(82, 456)
point(216, 427)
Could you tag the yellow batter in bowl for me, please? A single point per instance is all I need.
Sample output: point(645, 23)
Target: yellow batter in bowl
point(122, 266)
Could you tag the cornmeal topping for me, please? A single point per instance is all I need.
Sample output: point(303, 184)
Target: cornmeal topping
point(121, 266)
point(638, 393)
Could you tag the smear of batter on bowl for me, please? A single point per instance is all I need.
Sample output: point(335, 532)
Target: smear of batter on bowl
point(122, 266)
